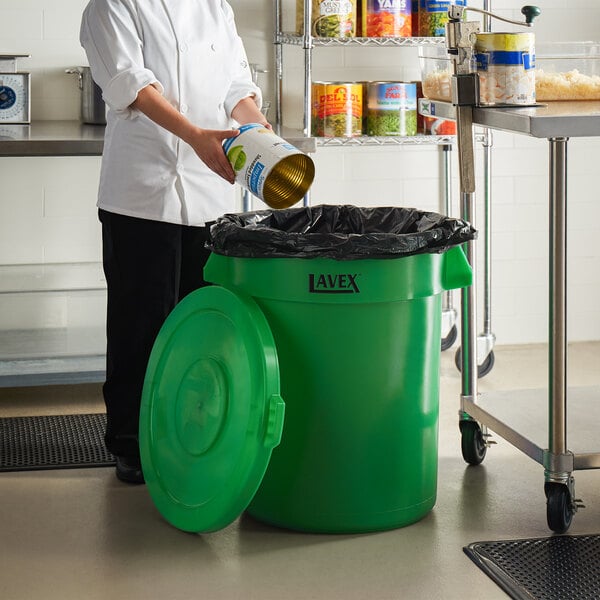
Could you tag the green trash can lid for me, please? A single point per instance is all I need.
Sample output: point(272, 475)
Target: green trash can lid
point(211, 411)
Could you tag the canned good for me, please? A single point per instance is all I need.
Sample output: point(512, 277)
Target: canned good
point(433, 16)
point(506, 68)
point(269, 167)
point(435, 126)
point(387, 18)
point(337, 109)
point(391, 108)
point(329, 18)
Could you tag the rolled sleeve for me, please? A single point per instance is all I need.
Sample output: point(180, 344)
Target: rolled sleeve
point(242, 85)
point(112, 39)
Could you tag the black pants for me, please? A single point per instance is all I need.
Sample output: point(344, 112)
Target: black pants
point(149, 267)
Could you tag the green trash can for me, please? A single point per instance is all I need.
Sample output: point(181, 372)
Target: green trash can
point(352, 346)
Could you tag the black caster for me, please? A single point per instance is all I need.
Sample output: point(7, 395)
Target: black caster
point(472, 444)
point(448, 341)
point(559, 507)
point(483, 369)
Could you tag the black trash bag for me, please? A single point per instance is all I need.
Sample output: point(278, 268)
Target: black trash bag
point(341, 232)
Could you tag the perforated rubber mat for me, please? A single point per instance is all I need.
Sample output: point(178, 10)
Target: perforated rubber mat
point(555, 568)
point(53, 442)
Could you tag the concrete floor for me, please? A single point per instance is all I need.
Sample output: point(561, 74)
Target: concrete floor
point(81, 534)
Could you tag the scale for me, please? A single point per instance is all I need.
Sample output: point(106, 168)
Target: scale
point(15, 91)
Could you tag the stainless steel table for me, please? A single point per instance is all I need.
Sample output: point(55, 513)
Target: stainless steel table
point(42, 357)
point(49, 356)
point(557, 122)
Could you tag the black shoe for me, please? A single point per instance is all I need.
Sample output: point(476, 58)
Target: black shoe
point(129, 469)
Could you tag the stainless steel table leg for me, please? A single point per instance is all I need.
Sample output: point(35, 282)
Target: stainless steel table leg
point(558, 461)
point(464, 123)
point(557, 358)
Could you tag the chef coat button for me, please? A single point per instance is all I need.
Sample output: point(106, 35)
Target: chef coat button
point(183, 47)
point(184, 108)
point(212, 47)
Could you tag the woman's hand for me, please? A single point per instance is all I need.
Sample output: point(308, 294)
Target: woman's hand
point(208, 145)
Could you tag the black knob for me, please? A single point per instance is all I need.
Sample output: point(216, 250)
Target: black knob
point(530, 12)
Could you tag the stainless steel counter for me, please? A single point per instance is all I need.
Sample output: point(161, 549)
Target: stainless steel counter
point(51, 138)
point(557, 122)
point(552, 120)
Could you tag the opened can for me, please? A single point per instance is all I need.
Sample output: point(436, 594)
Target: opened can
point(391, 108)
point(337, 109)
point(266, 165)
point(506, 68)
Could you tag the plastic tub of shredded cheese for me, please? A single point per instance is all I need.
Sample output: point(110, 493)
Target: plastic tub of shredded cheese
point(567, 71)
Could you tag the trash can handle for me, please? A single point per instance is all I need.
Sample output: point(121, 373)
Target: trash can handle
point(457, 272)
point(275, 422)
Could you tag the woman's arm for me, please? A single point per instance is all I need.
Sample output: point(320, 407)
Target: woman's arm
point(246, 111)
point(207, 143)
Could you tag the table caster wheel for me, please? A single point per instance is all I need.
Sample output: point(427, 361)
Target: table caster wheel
point(559, 507)
point(448, 341)
point(483, 369)
point(473, 444)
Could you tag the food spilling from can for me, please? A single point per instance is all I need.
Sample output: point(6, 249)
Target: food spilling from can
point(506, 68)
point(337, 109)
point(391, 108)
point(268, 166)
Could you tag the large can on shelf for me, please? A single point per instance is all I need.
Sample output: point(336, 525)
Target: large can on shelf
point(391, 108)
point(387, 18)
point(337, 109)
point(433, 16)
point(506, 68)
point(329, 18)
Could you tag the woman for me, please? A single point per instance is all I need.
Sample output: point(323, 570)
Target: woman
point(175, 77)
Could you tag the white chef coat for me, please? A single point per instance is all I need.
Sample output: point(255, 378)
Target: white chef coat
point(191, 52)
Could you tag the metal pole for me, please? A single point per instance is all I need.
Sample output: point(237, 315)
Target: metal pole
point(464, 124)
point(447, 208)
point(308, 46)
point(487, 208)
point(557, 358)
point(278, 66)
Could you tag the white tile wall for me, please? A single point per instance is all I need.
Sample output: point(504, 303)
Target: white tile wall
point(48, 214)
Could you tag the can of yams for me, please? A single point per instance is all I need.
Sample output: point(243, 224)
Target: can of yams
point(268, 166)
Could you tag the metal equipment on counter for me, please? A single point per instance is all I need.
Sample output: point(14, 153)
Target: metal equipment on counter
point(556, 123)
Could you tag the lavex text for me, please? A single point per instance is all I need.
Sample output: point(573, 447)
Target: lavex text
point(333, 284)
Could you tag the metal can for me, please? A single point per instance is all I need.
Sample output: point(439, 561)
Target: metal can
point(387, 18)
point(337, 109)
point(433, 16)
point(329, 18)
point(391, 108)
point(269, 167)
point(506, 68)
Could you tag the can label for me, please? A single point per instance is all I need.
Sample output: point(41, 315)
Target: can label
point(387, 18)
point(392, 109)
point(329, 18)
point(433, 16)
point(254, 153)
point(337, 109)
point(506, 68)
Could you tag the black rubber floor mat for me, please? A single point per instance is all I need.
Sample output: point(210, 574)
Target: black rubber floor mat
point(562, 567)
point(53, 442)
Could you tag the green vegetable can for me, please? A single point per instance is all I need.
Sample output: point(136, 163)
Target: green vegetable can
point(337, 109)
point(329, 18)
point(433, 16)
point(391, 108)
